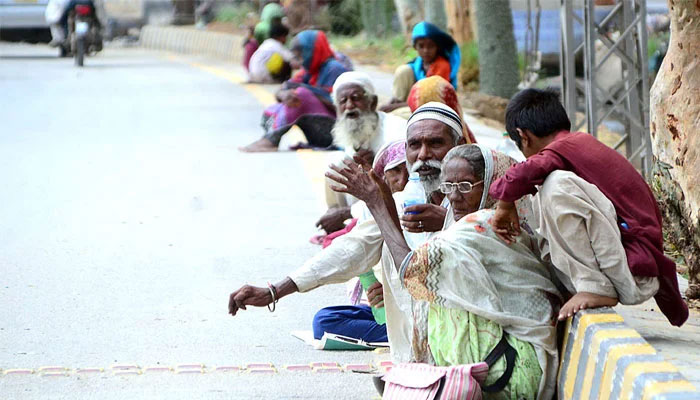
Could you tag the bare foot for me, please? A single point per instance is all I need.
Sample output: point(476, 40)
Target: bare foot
point(261, 145)
point(584, 300)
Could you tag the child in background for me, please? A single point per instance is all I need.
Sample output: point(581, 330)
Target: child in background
point(249, 47)
point(438, 55)
point(271, 62)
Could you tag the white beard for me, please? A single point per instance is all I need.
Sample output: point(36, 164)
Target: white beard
point(431, 182)
point(355, 133)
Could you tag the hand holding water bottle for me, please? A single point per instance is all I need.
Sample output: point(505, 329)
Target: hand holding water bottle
point(419, 216)
point(423, 218)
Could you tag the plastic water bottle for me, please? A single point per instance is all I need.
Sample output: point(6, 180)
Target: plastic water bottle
point(414, 194)
point(368, 279)
point(508, 147)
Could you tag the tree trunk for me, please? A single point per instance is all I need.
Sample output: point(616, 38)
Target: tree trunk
point(410, 13)
point(435, 13)
point(376, 19)
point(299, 15)
point(459, 20)
point(675, 133)
point(498, 60)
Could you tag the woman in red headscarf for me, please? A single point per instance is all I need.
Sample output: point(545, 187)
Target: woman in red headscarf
point(304, 100)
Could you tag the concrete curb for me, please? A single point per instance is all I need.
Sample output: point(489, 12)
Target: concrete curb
point(604, 358)
point(189, 40)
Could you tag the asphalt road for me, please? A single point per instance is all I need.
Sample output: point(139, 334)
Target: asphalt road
point(128, 216)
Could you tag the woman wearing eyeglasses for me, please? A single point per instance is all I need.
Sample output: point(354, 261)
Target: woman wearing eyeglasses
point(481, 290)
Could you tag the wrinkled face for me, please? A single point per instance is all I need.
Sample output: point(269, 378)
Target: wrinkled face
point(427, 49)
point(459, 170)
point(397, 178)
point(427, 143)
point(352, 101)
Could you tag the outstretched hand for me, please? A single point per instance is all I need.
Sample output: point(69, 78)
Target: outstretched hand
point(248, 296)
point(356, 178)
point(505, 221)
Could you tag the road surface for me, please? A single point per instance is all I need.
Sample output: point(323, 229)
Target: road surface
point(128, 216)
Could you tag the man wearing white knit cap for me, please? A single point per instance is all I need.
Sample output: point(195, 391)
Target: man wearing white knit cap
point(430, 134)
point(359, 128)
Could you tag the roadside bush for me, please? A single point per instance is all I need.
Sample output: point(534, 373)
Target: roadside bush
point(469, 70)
point(345, 17)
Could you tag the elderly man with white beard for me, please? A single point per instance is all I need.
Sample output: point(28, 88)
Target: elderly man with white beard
point(433, 130)
point(359, 130)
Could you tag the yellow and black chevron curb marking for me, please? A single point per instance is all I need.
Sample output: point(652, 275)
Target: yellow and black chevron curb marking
point(603, 358)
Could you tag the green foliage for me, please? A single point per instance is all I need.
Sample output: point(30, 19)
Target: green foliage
point(656, 40)
point(389, 52)
point(345, 17)
point(469, 68)
point(470, 53)
point(234, 14)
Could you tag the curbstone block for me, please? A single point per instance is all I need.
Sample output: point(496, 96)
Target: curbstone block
point(188, 40)
point(604, 358)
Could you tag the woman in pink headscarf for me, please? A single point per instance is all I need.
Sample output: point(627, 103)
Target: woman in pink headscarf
point(357, 320)
point(390, 165)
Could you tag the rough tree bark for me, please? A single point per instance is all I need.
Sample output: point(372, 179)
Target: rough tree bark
point(435, 13)
point(675, 132)
point(300, 15)
point(410, 13)
point(459, 18)
point(498, 60)
point(376, 20)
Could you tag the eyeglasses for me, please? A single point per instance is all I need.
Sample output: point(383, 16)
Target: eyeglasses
point(463, 187)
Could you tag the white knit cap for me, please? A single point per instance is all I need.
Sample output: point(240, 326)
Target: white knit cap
point(439, 112)
point(354, 78)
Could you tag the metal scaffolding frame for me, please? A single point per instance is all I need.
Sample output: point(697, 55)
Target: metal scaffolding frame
point(533, 56)
point(622, 32)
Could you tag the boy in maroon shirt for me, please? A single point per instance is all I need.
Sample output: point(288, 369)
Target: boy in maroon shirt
point(599, 220)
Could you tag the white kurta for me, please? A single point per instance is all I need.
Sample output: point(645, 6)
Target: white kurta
point(258, 62)
point(353, 254)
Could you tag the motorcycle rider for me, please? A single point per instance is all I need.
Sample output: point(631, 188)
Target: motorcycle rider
point(57, 17)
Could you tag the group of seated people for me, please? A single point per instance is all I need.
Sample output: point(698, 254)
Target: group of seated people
point(510, 248)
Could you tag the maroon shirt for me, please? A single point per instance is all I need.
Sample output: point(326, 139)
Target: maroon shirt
point(634, 204)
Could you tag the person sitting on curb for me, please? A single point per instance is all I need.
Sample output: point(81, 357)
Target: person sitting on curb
point(359, 129)
point(434, 131)
point(272, 62)
point(357, 320)
point(598, 218)
point(438, 55)
point(304, 100)
point(468, 286)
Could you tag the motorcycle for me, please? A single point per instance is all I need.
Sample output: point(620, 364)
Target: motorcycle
point(84, 35)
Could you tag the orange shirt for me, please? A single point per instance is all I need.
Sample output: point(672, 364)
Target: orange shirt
point(440, 67)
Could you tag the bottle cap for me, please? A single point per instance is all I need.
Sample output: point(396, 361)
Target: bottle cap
point(505, 134)
point(414, 176)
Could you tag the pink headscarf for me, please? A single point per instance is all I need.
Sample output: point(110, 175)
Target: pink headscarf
point(391, 155)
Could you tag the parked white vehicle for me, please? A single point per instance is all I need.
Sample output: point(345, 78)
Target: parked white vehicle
point(15, 14)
